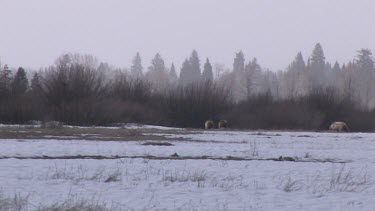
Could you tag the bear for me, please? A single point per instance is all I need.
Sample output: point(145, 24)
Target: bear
point(209, 124)
point(222, 124)
point(339, 127)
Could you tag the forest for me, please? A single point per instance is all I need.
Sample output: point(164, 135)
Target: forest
point(309, 94)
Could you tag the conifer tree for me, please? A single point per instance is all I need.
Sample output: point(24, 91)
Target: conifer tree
point(239, 62)
point(365, 60)
point(207, 74)
point(20, 84)
point(172, 74)
point(317, 58)
point(195, 66)
point(136, 68)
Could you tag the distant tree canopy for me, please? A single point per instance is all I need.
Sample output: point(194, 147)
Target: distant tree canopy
point(78, 89)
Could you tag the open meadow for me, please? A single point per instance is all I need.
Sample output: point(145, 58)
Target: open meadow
point(140, 167)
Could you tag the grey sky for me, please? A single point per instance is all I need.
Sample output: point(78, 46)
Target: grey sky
point(35, 32)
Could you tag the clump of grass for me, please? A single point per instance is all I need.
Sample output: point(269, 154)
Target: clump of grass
point(346, 180)
point(114, 177)
point(81, 173)
point(288, 184)
point(16, 203)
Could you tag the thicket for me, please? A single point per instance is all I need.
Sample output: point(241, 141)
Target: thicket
point(77, 90)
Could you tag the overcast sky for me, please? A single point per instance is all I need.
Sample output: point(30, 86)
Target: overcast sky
point(33, 33)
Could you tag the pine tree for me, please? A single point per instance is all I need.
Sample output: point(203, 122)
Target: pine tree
point(365, 60)
point(207, 74)
point(172, 74)
point(20, 84)
point(157, 64)
point(298, 64)
point(185, 75)
point(239, 62)
point(195, 66)
point(5, 81)
point(157, 74)
point(336, 67)
point(136, 68)
point(317, 58)
point(36, 86)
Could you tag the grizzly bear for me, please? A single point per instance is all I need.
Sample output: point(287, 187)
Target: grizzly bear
point(209, 124)
point(339, 127)
point(222, 124)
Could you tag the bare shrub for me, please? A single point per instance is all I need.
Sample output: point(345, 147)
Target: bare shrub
point(193, 104)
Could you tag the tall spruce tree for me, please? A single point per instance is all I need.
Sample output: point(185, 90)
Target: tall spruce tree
point(239, 62)
point(5, 81)
point(195, 66)
point(317, 58)
point(157, 64)
point(20, 84)
point(207, 74)
point(365, 61)
point(298, 65)
point(136, 68)
point(172, 74)
point(185, 73)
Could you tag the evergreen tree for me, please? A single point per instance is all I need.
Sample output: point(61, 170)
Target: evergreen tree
point(36, 86)
point(172, 74)
point(365, 60)
point(157, 74)
point(195, 66)
point(317, 58)
point(185, 75)
point(5, 81)
point(20, 83)
point(136, 68)
point(239, 62)
point(207, 74)
point(157, 64)
point(298, 65)
point(336, 67)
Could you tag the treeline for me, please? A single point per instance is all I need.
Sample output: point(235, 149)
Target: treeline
point(309, 95)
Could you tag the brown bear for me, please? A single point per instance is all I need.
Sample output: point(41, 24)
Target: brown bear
point(339, 127)
point(223, 124)
point(209, 124)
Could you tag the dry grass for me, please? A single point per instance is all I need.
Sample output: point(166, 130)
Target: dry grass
point(84, 133)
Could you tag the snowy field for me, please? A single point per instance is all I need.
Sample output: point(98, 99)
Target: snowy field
point(193, 170)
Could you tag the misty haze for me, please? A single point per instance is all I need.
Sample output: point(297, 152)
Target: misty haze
point(187, 105)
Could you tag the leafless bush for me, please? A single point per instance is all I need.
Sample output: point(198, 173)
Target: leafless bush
point(192, 105)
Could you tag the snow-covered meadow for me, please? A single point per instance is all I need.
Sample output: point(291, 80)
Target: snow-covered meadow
point(193, 170)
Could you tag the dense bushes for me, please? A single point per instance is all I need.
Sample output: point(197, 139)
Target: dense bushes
point(77, 91)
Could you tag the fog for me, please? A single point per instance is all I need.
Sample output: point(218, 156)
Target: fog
point(34, 33)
